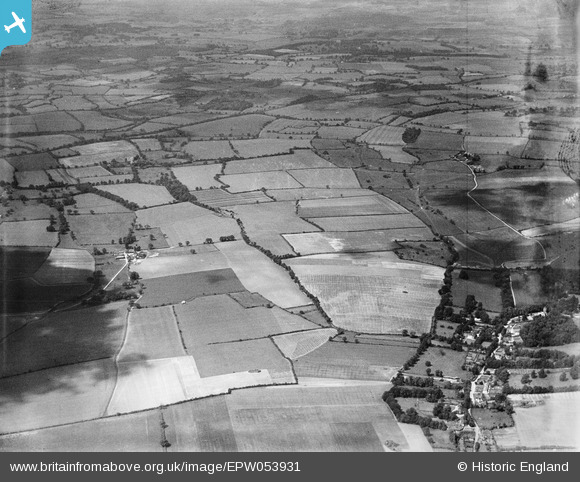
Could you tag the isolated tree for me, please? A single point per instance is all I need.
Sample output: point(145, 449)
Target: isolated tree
point(542, 373)
point(526, 379)
point(541, 73)
point(134, 276)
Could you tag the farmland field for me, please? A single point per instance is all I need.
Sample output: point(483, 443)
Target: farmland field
point(85, 203)
point(141, 194)
point(201, 150)
point(332, 178)
point(162, 265)
point(385, 135)
point(527, 288)
point(27, 233)
point(558, 429)
point(31, 178)
point(369, 223)
point(66, 266)
point(258, 274)
point(169, 290)
point(316, 193)
point(267, 147)
point(394, 154)
point(448, 361)
point(198, 177)
point(299, 159)
point(151, 334)
point(371, 293)
point(351, 206)
point(93, 171)
point(340, 419)
point(296, 345)
point(254, 181)
point(100, 228)
point(218, 198)
point(240, 126)
point(481, 284)
point(354, 241)
point(6, 171)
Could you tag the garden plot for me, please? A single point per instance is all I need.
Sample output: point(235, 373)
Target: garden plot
point(326, 178)
point(394, 154)
point(152, 334)
point(167, 265)
point(177, 288)
point(65, 338)
point(259, 274)
point(185, 222)
point(372, 293)
point(340, 419)
point(237, 183)
point(141, 194)
point(198, 177)
point(201, 150)
point(27, 233)
point(548, 421)
point(384, 135)
point(85, 203)
point(219, 198)
point(267, 147)
point(100, 228)
point(220, 319)
point(354, 242)
point(56, 396)
point(369, 223)
point(301, 158)
point(31, 178)
point(296, 345)
point(351, 206)
point(66, 266)
point(264, 223)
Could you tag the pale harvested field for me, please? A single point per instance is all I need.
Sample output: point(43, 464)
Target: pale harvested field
point(332, 178)
point(300, 159)
point(371, 222)
point(198, 177)
point(147, 144)
point(113, 434)
point(316, 193)
point(50, 141)
point(220, 319)
point(254, 181)
point(343, 419)
point(339, 132)
point(120, 148)
point(85, 203)
point(416, 438)
point(385, 135)
point(27, 233)
point(152, 334)
point(162, 265)
point(354, 242)
point(219, 198)
point(31, 178)
point(372, 294)
point(66, 266)
point(552, 423)
point(295, 345)
point(267, 147)
point(56, 396)
point(144, 195)
point(488, 123)
point(201, 150)
point(259, 274)
point(351, 206)
point(351, 361)
point(65, 338)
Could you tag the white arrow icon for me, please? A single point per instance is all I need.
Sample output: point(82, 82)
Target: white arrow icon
point(17, 23)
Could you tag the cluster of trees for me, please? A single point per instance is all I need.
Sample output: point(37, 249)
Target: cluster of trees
point(502, 280)
point(550, 330)
point(400, 380)
point(411, 134)
point(88, 188)
point(411, 415)
point(429, 394)
point(443, 411)
point(231, 237)
point(423, 345)
point(534, 359)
